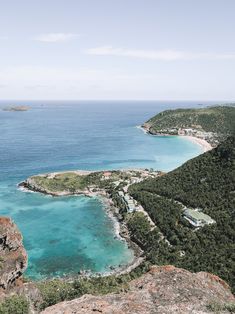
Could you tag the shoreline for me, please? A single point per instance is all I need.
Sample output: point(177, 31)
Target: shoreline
point(199, 141)
point(206, 146)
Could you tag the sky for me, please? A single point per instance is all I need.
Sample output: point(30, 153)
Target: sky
point(117, 49)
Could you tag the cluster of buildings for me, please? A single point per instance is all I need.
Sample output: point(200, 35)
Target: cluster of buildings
point(197, 218)
point(129, 176)
point(208, 136)
point(124, 179)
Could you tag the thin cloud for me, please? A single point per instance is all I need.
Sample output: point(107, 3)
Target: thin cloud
point(162, 55)
point(35, 87)
point(3, 37)
point(56, 37)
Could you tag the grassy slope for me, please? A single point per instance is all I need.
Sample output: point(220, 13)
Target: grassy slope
point(71, 181)
point(64, 182)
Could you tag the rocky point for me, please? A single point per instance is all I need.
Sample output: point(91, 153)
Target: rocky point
point(13, 256)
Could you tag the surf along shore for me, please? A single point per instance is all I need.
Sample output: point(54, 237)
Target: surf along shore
point(111, 188)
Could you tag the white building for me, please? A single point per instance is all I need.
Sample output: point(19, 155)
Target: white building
point(197, 218)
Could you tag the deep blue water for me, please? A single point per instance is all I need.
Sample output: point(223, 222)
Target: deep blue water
point(64, 235)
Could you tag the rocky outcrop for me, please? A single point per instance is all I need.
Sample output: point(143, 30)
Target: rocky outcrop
point(162, 290)
point(13, 257)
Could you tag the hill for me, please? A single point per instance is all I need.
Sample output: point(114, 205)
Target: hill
point(218, 120)
point(206, 182)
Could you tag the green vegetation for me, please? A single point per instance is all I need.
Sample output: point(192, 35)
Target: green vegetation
point(157, 250)
point(219, 119)
point(14, 305)
point(68, 181)
point(72, 181)
point(218, 308)
point(208, 182)
point(56, 290)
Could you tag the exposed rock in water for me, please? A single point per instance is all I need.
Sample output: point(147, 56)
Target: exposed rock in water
point(13, 257)
point(162, 290)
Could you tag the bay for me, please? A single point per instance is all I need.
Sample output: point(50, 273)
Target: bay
point(68, 234)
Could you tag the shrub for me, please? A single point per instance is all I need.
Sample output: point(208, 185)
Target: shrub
point(14, 305)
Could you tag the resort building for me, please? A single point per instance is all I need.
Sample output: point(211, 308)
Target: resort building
point(197, 218)
point(131, 206)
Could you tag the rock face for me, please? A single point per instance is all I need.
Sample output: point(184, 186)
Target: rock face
point(162, 290)
point(13, 257)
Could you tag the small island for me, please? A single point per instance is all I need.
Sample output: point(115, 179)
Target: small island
point(16, 108)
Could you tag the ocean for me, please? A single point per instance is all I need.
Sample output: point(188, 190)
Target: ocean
point(64, 235)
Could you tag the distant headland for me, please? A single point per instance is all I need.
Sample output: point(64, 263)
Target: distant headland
point(205, 126)
point(16, 108)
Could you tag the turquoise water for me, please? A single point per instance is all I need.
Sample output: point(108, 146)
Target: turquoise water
point(67, 234)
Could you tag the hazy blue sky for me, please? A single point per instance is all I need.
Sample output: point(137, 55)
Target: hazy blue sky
point(117, 49)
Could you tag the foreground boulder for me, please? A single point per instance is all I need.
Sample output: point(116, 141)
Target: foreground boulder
point(164, 289)
point(13, 257)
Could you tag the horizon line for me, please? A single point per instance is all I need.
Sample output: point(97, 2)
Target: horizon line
point(98, 100)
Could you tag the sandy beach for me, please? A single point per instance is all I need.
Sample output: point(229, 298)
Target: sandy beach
point(203, 143)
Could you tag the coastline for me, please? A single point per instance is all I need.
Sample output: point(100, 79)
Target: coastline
point(119, 228)
point(199, 141)
point(122, 233)
point(206, 146)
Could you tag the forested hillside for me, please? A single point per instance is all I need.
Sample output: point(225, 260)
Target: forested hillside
point(208, 182)
point(218, 119)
